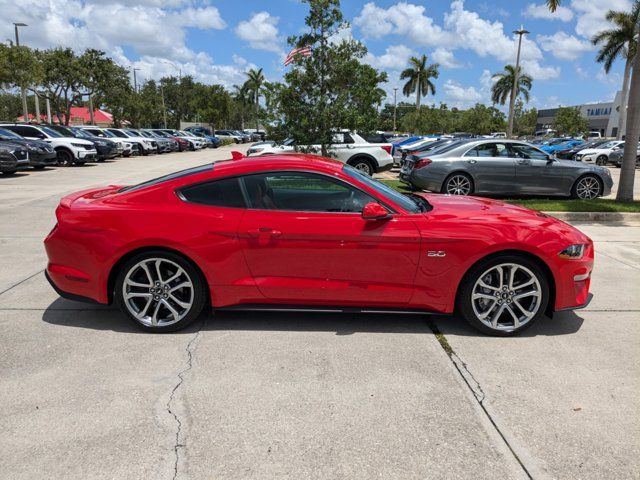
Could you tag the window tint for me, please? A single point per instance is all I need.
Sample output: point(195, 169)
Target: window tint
point(526, 151)
point(221, 193)
point(117, 133)
point(25, 131)
point(304, 192)
point(166, 178)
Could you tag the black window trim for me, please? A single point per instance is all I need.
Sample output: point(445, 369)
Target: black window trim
point(180, 195)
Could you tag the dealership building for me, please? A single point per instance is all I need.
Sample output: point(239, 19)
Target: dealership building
point(602, 117)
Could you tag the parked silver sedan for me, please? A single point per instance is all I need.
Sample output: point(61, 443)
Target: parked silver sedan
point(505, 167)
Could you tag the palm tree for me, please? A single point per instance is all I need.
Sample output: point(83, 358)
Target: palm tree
point(419, 76)
point(254, 85)
point(632, 130)
point(240, 96)
point(501, 90)
point(616, 42)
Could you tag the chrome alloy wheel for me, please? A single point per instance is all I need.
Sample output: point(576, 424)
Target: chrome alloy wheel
point(157, 292)
point(588, 188)
point(458, 185)
point(506, 297)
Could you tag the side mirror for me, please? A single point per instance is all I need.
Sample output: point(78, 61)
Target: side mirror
point(551, 158)
point(374, 211)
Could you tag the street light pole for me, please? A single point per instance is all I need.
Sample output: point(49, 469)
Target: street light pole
point(178, 111)
point(395, 107)
point(514, 88)
point(135, 81)
point(23, 92)
point(164, 109)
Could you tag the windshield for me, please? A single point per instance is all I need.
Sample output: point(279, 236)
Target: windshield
point(80, 133)
point(51, 132)
point(9, 134)
point(118, 133)
point(406, 202)
point(133, 133)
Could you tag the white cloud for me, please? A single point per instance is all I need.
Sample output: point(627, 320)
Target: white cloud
point(581, 72)
point(395, 57)
point(261, 31)
point(459, 96)
point(445, 58)
point(591, 14)
point(539, 72)
point(403, 19)
point(563, 46)
point(542, 11)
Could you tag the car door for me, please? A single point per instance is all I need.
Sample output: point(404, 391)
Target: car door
point(305, 241)
point(492, 168)
point(537, 173)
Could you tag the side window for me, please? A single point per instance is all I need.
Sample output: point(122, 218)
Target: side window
point(303, 192)
point(221, 193)
point(526, 151)
point(483, 150)
point(27, 131)
point(338, 138)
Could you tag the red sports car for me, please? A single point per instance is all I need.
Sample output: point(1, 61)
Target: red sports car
point(296, 231)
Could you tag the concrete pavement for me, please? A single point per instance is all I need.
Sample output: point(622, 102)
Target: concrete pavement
point(84, 394)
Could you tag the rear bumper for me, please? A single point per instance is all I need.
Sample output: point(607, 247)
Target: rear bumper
point(385, 168)
point(68, 295)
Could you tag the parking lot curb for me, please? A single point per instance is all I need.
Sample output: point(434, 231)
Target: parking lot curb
point(605, 217)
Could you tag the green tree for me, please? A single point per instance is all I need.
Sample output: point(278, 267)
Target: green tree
point(632, 130)
point(616, 42)
point(331, 88)
point(241, 101)
point(418, 77)
point(254, 87)
point(503, 87)
point(214, 104)
point(569, 121)
point(524, 120)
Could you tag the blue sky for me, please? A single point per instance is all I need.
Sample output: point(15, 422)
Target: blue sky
point(217, 41)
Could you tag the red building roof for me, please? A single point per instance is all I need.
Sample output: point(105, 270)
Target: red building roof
point(79, 116)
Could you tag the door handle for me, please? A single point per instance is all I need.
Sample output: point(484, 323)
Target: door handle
point(472, 161)
point(523, 162)
point(264, 231)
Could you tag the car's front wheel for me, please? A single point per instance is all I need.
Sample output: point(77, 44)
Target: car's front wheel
point(588, 187)
point(503, 295)
point(602, 160)
point(160, 291)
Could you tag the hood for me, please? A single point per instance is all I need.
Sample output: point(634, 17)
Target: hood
point(8, 146)
point(27, 143)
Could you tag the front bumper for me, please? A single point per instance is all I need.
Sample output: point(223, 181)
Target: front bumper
point(13, 165)
point(573, 278)
point(37, 159)
point(86, 155)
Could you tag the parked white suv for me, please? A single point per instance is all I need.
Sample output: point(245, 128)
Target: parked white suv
point(600, 154)
point(126, 146)
point(348, 147)
point(145, 145)
point(70, 150)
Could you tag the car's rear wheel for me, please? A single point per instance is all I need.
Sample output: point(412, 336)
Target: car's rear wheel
point(362, 164)
point(458, 184)
point(9, 172)
point(587, 188)
point(160, 291)
point(504, 295)
point(601, 160)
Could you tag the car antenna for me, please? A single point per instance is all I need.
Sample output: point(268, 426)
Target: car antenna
point(235, 155)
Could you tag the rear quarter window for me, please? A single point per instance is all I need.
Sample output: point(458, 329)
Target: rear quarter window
point(225, 192)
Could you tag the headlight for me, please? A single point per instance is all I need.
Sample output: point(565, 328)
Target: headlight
point(573, 251)
point(79, 145)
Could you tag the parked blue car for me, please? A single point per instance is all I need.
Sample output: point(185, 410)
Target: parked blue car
point(561, 146)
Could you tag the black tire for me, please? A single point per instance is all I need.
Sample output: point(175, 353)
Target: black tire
point(39, 167)
point(100, 160)
point(200, 295)
point(363, 164)
point(465, 305)
point(65, 157)
point(576, 191)
point(9, 172)
point(602, 160)
point(449, 184)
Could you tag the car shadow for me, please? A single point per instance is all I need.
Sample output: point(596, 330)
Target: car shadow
point(68, 313)
point(13, 175)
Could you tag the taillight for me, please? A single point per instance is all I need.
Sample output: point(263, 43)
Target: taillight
point(386, 148)
point(423, 162)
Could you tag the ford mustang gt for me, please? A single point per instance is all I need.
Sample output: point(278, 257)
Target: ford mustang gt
point(299, 231)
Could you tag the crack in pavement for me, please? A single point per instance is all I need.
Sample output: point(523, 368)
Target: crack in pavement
point(21, 282)
point(177, 445)
point(476, 389)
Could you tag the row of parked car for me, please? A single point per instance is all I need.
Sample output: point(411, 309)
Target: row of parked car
point(39, 146)
point(600, 151)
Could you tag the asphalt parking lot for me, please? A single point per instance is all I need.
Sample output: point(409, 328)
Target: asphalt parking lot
point(85, 395)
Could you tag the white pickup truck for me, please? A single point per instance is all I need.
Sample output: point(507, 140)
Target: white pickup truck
point(347, 147)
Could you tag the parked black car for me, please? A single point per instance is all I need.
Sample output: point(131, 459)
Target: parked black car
point(41, 154)
point(570, 153)
point(13, 157)
point(106, 148)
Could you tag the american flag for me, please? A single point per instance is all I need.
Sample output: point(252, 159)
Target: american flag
point(304, 51)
